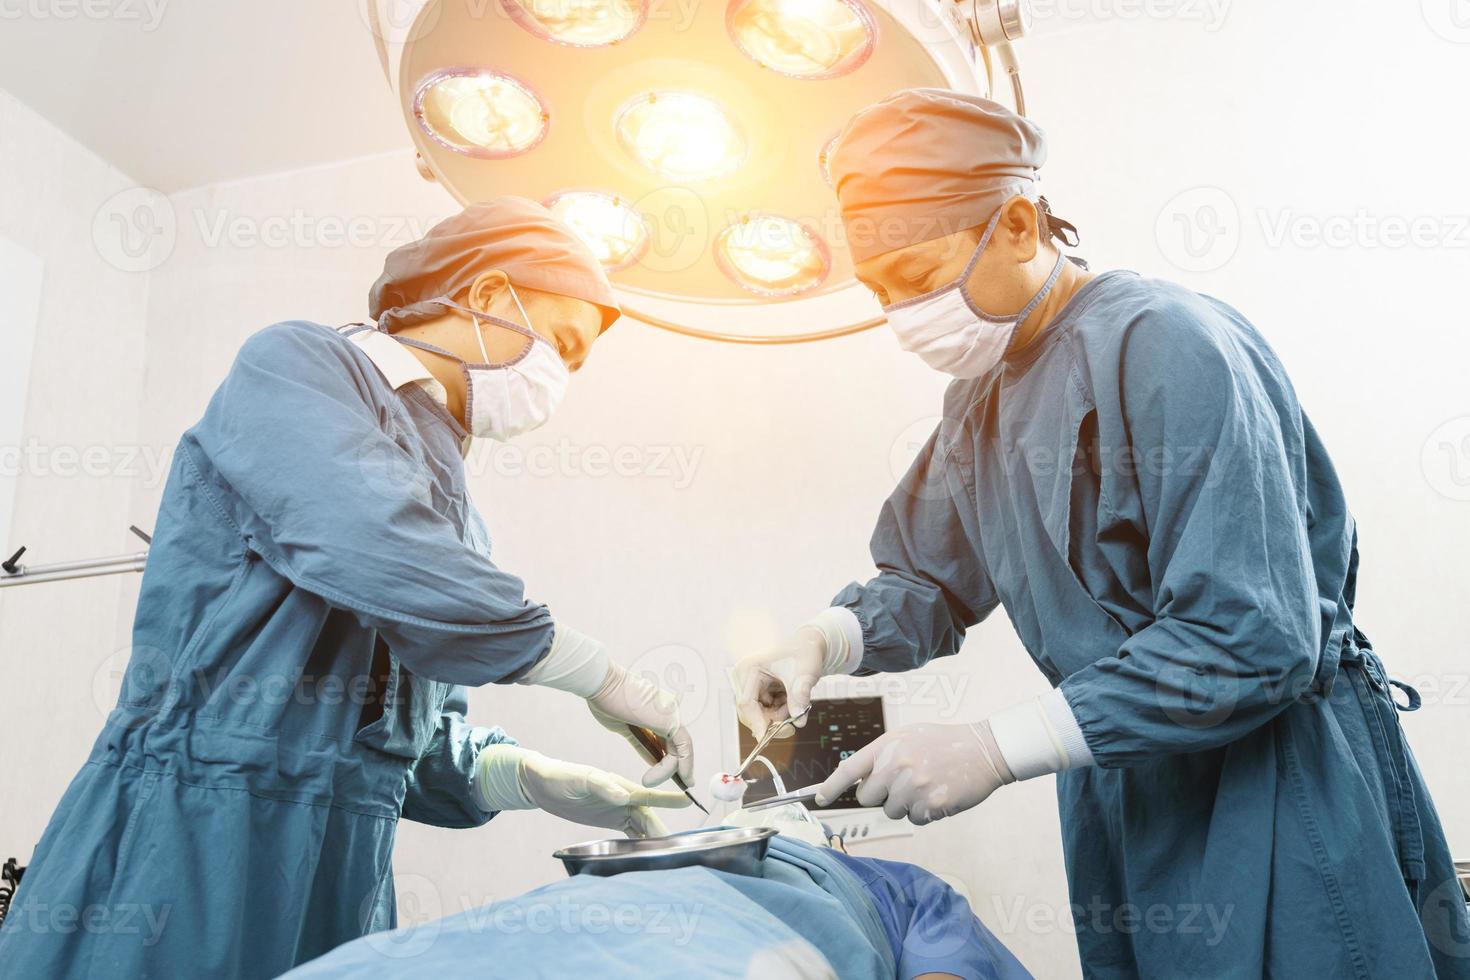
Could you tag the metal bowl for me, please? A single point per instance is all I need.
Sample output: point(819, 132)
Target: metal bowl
point(739, 850)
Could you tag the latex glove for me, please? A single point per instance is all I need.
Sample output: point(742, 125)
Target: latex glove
point(923, 772)
point(580, 665)
point(508, 777)
point(626, 698)
point(777, 684)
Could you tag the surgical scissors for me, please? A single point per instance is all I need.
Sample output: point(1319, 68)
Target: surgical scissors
point(765, 739)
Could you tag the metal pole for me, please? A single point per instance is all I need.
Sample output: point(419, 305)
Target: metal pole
point(61, 571)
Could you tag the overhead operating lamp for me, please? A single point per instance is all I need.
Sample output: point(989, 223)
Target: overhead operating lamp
point(687, 143)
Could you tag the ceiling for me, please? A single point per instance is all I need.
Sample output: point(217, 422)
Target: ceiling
point(183, 93)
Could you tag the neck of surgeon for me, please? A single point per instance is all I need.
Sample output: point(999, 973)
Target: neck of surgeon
point(1070, 280)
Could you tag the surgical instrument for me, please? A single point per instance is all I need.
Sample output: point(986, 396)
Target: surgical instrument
point(654, 746)
point(795, 796)
point(766, 739)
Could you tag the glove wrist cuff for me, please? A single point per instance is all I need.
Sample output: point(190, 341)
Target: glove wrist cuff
point(843, 636)
point(986, 737)
point(497, 783)
point(1040, 736)
point(576, 663)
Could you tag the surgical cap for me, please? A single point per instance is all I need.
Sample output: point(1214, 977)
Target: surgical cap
point(517, 236)
point(928, 162)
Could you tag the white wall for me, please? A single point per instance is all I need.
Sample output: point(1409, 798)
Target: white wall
point(1282, 110)
point(21, 275)
point(72, 479)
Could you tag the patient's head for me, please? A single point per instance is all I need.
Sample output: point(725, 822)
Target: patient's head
point(791, 820)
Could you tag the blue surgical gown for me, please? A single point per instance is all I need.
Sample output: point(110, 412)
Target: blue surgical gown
point(1141, 491)
point(318, 589)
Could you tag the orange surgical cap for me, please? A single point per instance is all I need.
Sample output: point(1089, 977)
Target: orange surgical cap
point(928, 162)
point(515, 235)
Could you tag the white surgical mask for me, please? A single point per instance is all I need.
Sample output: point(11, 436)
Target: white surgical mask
point(513, 397)
point(950, 332)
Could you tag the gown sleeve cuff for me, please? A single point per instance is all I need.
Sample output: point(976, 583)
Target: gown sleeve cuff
point(497, 781)
point(839, 626)
point(576, 664)
point(1040, 736)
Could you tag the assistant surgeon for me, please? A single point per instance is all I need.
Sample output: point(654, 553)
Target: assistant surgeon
point(1124, 466)
point(318, 593)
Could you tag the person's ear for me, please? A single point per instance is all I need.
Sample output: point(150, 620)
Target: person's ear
point(486, 291)
point(1020, 222)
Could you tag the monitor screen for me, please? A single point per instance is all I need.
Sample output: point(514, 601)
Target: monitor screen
point(835, 729)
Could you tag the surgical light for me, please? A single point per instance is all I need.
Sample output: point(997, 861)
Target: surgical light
point(480, 113)
point(770, 255)
point(579, 23)
point(803, 38)
point(688, 144)
point(680, 135)
point(616, 233)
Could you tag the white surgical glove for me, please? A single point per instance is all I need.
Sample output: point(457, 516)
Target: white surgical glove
point(508, 777)
point(580, 665)
point(777, 684)
point(929, 772)
point(626, 699)
point(923, 772)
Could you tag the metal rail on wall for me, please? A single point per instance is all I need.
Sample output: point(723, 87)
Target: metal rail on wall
point(13, 573)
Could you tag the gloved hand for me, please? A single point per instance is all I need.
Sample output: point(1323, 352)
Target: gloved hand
point(923, 772)
point(508, 777)
point(777, 684)
point(625, 699)
point(580, 665)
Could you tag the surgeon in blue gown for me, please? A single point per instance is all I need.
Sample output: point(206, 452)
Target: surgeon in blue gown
point(318, 594)
point(1124, 466)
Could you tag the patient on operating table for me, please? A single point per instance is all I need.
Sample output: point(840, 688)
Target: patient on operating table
point(814, 914)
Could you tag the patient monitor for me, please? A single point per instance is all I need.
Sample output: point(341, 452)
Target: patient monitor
point(836, 728)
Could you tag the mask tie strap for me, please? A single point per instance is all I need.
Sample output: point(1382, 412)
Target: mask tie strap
point(1051, 280)
point(517, 299)
point(480, 336)
point(980, 249)
point(530, 330)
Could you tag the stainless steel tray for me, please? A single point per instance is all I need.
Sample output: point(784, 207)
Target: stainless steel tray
point(739, 850)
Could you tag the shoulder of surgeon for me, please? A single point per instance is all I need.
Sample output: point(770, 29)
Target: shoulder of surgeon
point(1138, 333)
point(1124, 321)
point(302, 351)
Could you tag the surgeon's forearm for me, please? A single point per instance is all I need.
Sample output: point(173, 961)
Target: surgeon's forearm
point(576, 663)
point(1040, 736)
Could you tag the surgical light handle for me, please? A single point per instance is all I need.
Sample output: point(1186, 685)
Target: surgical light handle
point(1006, 55)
